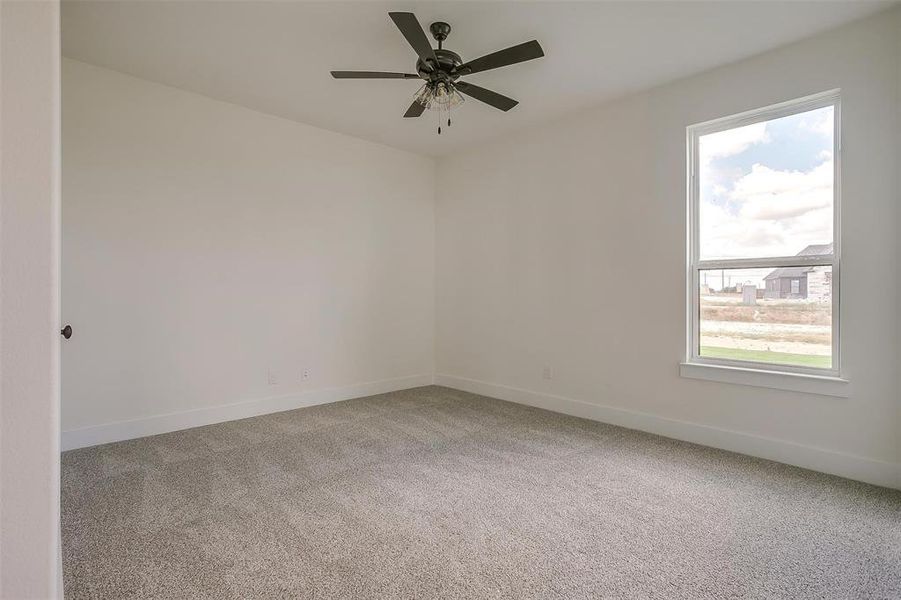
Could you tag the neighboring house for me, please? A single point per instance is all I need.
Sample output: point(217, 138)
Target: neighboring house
point(811, 283)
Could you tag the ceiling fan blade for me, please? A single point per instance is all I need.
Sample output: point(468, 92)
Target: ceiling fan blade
point(371, 75)
point(487, 96)
point(502, 58)
point(412, 30)
point(415, 109)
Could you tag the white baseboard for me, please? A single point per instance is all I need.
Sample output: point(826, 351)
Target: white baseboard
point(818, 459)
point(126, 430)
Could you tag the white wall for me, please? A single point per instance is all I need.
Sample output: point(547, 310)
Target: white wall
point(29, 300)
point(205, 244)
point(545, 243)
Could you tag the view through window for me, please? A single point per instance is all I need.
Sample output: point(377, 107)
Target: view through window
point(763, 253)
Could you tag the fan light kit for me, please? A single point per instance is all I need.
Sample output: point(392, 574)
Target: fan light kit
point(441, 70)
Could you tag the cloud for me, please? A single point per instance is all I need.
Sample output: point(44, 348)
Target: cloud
point(725, 235)
point(821, 121)
point(770, 194)
point(731, 142)
point(770, 212)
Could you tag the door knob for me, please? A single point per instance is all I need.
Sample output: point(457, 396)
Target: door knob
point(66, 331)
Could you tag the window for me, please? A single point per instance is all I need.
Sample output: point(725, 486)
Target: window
point(764, 239)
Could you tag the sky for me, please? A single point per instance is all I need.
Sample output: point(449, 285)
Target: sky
point(767, 188)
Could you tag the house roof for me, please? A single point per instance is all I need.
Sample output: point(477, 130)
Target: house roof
point(811, 250)
point(816, 250)
point(788, 272)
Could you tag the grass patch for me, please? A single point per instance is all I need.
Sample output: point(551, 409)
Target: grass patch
point(781, 358)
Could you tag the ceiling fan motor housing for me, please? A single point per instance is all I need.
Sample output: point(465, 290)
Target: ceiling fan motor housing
point(448, 61)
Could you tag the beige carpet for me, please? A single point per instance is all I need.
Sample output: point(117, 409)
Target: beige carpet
point(434, 493)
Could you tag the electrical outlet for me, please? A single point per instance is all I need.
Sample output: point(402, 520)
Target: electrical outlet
point(273, 377)
point(305, 375)
point(547, 373)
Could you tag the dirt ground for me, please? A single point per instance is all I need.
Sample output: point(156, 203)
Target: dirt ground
point(794, 326)
point(730, 308)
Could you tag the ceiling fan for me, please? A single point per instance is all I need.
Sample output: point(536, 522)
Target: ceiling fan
point(441, 69)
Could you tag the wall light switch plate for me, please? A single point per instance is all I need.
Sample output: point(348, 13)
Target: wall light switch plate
point(273, 377)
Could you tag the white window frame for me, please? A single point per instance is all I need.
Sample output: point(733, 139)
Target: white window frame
point(744, 370)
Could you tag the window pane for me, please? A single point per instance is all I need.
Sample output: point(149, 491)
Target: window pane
point(767, 189)
point(781, 316)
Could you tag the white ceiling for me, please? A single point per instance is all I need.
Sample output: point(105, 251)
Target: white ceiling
point(275, 57)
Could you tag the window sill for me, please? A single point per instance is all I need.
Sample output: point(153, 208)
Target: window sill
point(795, 382)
